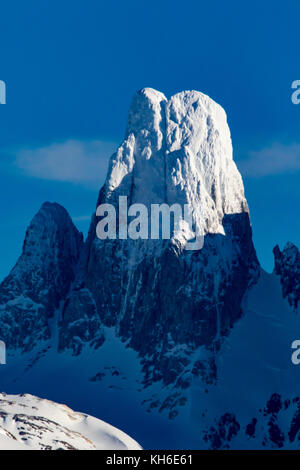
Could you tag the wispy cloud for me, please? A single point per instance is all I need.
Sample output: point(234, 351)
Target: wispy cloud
point(73, 161)
point(272, 160)
point(81, 218)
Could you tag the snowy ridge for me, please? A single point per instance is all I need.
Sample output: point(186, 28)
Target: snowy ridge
point(30, 423)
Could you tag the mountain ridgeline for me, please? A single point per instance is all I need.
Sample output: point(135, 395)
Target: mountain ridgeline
point(155, 294)
point(175, 308)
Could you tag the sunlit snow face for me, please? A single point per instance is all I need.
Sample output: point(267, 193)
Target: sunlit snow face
point(175, 166)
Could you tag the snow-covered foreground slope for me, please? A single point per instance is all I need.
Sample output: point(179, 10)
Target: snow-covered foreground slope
point(106, 383)
point(31, 423)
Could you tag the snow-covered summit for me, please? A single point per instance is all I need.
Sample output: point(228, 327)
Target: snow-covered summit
point(178, 151)
point(156, 294)
point(146, 107)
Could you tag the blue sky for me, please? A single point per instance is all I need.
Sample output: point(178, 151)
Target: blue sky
point(72, 66)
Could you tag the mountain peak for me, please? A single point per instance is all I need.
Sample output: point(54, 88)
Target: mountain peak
point(176, 151)
point(145, 111)
point(151, 94)
point(41, 278)
point(53, 207)
point(51, 225)
point(179, 151)
point(290, 246)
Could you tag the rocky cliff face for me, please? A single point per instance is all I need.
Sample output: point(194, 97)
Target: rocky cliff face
point(37, 285)
point(287, 267)
point(164, 300)
point(276, 425)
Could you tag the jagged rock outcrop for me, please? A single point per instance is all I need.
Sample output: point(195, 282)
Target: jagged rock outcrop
point(41, 278)
point(276, 425)
point(80, 322)
point(164, 300)
point(287, 266)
